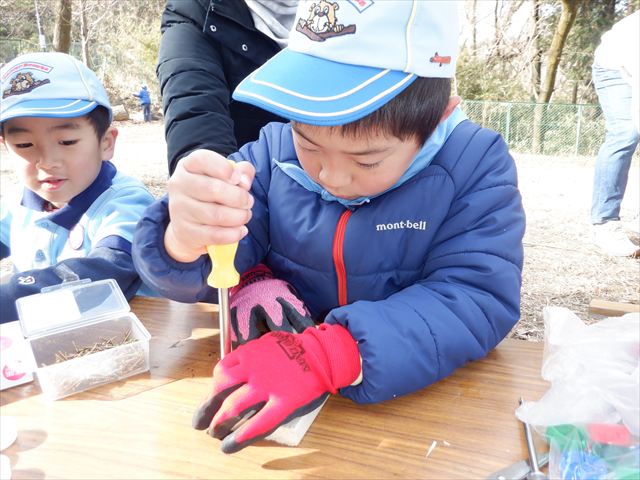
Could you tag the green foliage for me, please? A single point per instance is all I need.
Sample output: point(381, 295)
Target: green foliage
point(501, 68)
point(123, 39)
point(487, 79)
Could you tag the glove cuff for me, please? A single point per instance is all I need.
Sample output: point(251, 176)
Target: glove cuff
point(256, 274)
point(341, 350)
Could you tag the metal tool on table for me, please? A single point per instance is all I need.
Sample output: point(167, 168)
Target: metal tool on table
point(518, 470)
point(535, 473)
point(223, 276)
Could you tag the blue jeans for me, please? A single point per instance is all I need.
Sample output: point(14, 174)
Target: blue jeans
point(146, 111)
point(614, 157)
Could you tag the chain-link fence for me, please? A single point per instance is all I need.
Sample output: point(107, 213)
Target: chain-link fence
point(546, 129)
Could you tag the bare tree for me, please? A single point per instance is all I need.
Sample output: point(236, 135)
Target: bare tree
point(92, 15)
point(536, 63)
point(567, 17)
point(62, 28)
point(474, 34)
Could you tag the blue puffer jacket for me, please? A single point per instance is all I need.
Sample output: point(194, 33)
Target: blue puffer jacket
point(426, 277)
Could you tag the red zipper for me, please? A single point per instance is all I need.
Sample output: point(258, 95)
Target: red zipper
point(338, 257)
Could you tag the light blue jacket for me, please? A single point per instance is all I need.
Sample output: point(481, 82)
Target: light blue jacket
point(90, 237)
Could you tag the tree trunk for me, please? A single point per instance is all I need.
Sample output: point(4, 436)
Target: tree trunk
point(569, 10)
point(496, 34)
point(62, 29)
point(536, 61)
point(474, 20)
point(84, 36)
point(567, 17)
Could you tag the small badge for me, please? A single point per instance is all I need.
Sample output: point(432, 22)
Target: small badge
point(440, 59)
point(76, 237)
point(28, 280)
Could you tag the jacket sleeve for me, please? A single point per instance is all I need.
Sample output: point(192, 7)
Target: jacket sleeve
point(183, 282)
point(187, 282)
point(468, 298)
point(109, 256)
point(100, 264)
point(5, 230)
point(195, 93)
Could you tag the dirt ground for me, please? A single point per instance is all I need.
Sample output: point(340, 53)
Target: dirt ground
point(562, 267)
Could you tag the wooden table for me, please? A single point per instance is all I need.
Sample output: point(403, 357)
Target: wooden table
point(141, 427)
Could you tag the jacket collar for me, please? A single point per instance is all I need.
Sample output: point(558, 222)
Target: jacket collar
point(235, 10)
point(69, 215)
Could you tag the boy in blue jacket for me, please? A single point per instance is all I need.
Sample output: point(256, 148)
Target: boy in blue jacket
point(73, 215)
point(398, 221)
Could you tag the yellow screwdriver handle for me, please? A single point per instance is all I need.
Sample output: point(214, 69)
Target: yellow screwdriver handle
point(223, 276)
point(223, 270)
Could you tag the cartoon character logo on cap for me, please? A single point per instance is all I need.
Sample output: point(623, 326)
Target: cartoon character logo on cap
point(322, 22)
point(23, 83)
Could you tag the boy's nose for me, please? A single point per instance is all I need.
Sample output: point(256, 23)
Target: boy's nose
point(332, 177)
point(46, 159)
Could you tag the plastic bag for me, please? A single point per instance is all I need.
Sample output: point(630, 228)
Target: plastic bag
point(591, 413)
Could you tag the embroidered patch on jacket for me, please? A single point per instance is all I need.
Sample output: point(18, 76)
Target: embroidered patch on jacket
point(322, 22)
point(28, 280)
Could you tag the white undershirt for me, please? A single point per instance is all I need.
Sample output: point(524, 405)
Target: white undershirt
point(274, 18)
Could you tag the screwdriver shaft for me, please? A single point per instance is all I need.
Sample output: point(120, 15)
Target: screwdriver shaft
point(224, 317)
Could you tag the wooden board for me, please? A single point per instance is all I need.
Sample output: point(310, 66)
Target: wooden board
point(599, 306)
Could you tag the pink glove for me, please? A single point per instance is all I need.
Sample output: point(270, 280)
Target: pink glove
point(262, 303)
point(278, 377)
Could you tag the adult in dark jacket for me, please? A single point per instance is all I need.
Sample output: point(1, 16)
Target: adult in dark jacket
point(207, 48)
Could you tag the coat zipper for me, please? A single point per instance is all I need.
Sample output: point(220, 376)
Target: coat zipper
point(338, 257)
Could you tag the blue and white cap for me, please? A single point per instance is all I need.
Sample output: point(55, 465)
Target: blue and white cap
point(347, 58)
point(49, 84)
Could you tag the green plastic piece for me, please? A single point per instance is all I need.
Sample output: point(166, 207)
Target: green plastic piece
point(567, 437)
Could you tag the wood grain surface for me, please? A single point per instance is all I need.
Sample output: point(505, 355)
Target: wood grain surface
point(140, 428)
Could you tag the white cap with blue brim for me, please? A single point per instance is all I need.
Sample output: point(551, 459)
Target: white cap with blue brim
point(346, 59)
point(49, 84)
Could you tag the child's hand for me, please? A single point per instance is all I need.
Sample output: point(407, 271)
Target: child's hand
point(209, 204)
point(262, 303)
point(273, 379)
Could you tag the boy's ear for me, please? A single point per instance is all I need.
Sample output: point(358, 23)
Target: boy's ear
point(108, 143)
point(451, 106)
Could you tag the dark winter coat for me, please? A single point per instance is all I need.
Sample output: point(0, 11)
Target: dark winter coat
point(207, 48)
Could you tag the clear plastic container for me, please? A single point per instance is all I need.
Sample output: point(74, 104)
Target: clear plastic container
point(82, 335)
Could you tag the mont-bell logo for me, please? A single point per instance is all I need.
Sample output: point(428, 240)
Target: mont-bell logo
point(403, 225)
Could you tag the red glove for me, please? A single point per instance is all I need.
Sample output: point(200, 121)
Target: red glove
point(278, 377)
point(262, 303)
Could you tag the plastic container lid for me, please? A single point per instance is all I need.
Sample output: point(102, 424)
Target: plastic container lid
point(70, 304)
